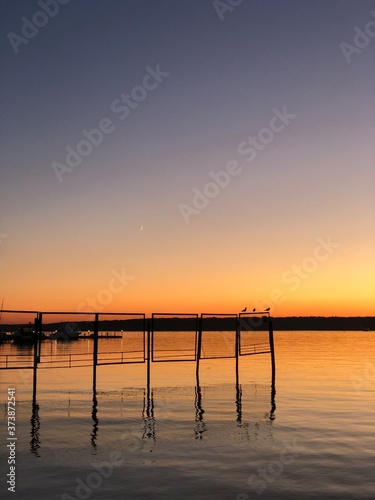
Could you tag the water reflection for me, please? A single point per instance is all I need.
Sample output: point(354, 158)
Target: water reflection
point(239, 404)
point(35, 427)
point(200, 426)
point(249, 417)
point(273, 400)
point(148, 417)
point(247, 405)
point(69, 404)
point(95, 419)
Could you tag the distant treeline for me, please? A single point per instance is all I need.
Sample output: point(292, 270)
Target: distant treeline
point(224, 324)
point(323, 323)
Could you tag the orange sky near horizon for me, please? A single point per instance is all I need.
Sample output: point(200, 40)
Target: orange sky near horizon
point(322, 276)
point(298, 291)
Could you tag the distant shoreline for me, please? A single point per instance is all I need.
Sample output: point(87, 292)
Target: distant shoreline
point(291, 323)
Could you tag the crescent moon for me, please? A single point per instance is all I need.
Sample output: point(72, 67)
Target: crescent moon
point(141, 228)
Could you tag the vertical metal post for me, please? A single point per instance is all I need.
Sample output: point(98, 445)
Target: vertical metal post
point(199, 346)
point(148, 360)
point(237, 345)
point(273, 387)
point(151, 327)
point(40, 334)
point(35, 366)
point(95, 351)
point(272, 349)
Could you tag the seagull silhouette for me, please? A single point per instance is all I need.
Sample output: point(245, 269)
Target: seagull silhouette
point(268, 308)
point(254, 310)
point(244, 310)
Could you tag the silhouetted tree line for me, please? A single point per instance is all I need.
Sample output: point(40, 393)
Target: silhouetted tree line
point(226, 324)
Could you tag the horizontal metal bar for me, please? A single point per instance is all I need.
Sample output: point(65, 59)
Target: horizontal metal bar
point(91, 313)
point(16, 367)
point(122, 362)
point(175, 315)
point(254, 353)
point(17, 311)
point(219, 315)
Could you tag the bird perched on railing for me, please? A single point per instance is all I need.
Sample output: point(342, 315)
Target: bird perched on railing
point(244, 310)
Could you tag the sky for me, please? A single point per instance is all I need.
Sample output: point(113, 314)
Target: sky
point(188, 156)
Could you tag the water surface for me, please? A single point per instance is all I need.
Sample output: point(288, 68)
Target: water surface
point(215, 437)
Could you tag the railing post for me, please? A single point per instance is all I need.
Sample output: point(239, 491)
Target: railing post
point(40, 336)
point(148, 357)
point(273, 388)
point(95, 350)
point(36, 358)
point(272, 349)
point(237, 343)
point(199, 346)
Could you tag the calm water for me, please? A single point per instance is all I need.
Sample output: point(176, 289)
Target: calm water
point(217, 440)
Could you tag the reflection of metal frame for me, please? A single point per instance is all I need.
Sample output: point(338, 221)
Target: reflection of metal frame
point(35, 426)
point(149, 418)
point(148, 415)
point(200, 426)
point(95, 419)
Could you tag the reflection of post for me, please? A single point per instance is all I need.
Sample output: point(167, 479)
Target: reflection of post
point(148, 416)
point(35, 425)
point(200, 427)
point(148, 401)
point(273, 403)
point(95, 419)
point(95, 350)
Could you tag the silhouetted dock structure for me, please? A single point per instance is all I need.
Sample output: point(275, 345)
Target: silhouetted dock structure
point(149, 340)
point(146, 340)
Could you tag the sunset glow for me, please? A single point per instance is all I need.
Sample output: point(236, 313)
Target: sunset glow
point(239, 172)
